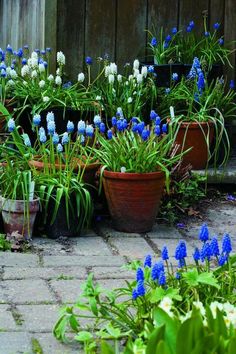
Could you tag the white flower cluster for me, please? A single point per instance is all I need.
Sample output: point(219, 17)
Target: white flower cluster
point(61, 58)
point(137, 74)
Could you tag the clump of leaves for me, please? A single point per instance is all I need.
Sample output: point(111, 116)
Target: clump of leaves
point(186, 190)
point(5, 245)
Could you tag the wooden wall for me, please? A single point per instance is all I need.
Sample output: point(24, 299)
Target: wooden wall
point(95, 27)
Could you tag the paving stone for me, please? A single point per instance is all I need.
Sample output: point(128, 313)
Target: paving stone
point(27, 291)
point(164, 232)
point(67, 290)
point(91, 246)
point(15, 343)
point(50, 345)
point(3, 298)
point(83, 261)
point(38, 318)
point(88, 233)
point(7, 322)
point(48, 246)
point(112, 273)
point(10, 259)
point(106, 230)
point(44, 273)
point(132, 247)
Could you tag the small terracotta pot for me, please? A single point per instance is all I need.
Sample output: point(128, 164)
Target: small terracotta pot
point(133, 199)
point(15, 217)
point(190, 134)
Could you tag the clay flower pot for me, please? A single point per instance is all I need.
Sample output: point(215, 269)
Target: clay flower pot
point(193, 135)
point(15, 217)
point(133, 199)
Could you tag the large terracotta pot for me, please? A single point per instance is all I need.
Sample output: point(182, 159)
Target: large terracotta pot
point(15, 216)
point(193, 135)
point(133, 199)
point(89, 171)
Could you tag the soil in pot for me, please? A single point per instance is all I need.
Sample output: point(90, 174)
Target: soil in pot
point(133, 199)
point(15, 217)
point(192, 135)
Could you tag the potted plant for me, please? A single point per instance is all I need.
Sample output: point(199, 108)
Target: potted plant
point(175, 52)
point(136, 161)
point(19, 205)
point(199, 116)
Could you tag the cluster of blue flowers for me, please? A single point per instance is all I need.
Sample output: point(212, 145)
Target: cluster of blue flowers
point(210, 249)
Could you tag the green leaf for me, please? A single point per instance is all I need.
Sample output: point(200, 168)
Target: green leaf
point(171, 326)
point(156, 336)
point(83, 336)
point(189, 333)
point(209, 279)
point(93, 305)
point(191, 277)
point(106, 348)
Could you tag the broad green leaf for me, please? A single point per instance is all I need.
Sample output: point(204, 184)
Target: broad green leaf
point(83, 336)
point(208, 278)
point(106, 348)
point(191, 277)
point(157, 335)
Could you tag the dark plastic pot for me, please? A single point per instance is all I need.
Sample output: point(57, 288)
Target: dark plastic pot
point(60, 227)
point(190, 135)
point(164, 73)
point(15, 217)
point(133, 199)
point(214, 73)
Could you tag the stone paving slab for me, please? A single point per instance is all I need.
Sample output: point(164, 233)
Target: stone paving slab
point(83, 261)
point(161, 231)
point(111, 273)
point(68, 291)
point(44, 273)
point(38, 318)
point(7, 321)
point(92, 246)
point(129, 247)
point(106, 230)
point(27, 291)
point(15, 343)
point(51, 346)
point(9, 259)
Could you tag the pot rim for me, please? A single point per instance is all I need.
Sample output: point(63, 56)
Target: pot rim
point(195, 125)
point(134, 175)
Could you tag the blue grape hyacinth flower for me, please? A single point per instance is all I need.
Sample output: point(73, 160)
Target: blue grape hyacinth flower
point(226, 244)
point(148, 261)
point(204, 233)
point(11, 125)
point(141, 289)
point(164, 254)
point(139, 274)
point(215, 247)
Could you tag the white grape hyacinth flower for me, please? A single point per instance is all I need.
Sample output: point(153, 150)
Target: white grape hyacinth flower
point(41, 68)
point(81, 77)
point(13, 74)
point(41, 83)
point(139, 78)
point(25, 70)
point(107, 70)
point(136, 64)
point(50, 77)
point(46, 99)
point(123, 169)
point(61, 58)
point(144, 71)
point(58, 80)
point(136, 72)
point(130, 100)
point(34, 74)
point(111, 78)
point(113, 68)
point(119, 78)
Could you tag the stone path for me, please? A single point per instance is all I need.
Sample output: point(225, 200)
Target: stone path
point(34, 286)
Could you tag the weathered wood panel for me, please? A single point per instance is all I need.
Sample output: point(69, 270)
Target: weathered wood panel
point(131, 25)
point(71, 33)
point(192, 10)
point(230, 32)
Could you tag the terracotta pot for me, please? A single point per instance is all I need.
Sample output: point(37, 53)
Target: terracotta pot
point(15, 217)
point(89, 172)
point(190, 134)
point(133, 199)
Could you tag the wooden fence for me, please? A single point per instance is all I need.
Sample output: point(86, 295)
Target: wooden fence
point(96, 27)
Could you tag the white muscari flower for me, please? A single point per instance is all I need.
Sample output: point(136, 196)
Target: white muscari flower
point(34, 74)
point(50, 77)
point(25, 83)
point(11, 83)
point(58, 71)
point(50, 117)
point(126, 83)
point(81, 77)
point(123, 169)
point(98, 98)
point(136, 72)
point(46, 99)
point(41, 68)
point(113, 68)
point(61, 58)
point(130, 100)
point(139, 78)
point(119, 78)
point(130, 77)
point(136, 64)
point(58, 80)
point(144, 71)
point(111, 78)
point(8, 70)
point(34, 63)
point(25, 70)
point(29, 62)
point(107, 70)
point(41, 83)
point(13, 74)
point(34, 55)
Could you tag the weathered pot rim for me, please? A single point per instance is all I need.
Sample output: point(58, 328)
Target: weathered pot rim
point(7, 204)
point(194, 125)
point(40, 164)
point(134, 175)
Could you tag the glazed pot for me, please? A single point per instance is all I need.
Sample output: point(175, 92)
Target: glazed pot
point(15, 218)
point(193, 135)
point(133, 199)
